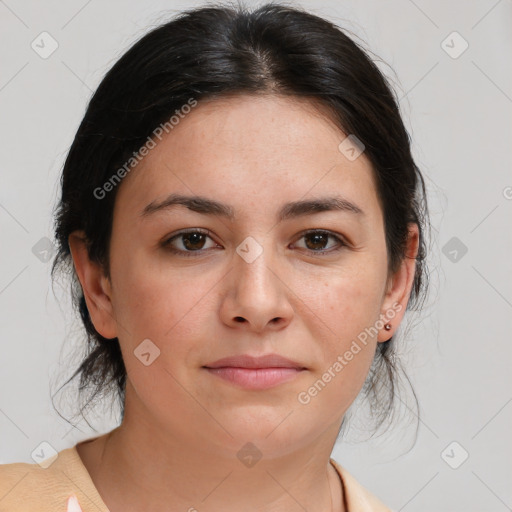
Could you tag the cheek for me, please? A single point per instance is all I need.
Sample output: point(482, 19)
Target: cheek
point(341, 312)
point(152, 296)
point(168, 315)
point(344, 300)
point(167, 309)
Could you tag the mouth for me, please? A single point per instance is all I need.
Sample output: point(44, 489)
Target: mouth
point(255, 373)
point(255, 378)
point(259, 362)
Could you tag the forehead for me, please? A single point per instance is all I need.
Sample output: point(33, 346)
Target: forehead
point(250, 151)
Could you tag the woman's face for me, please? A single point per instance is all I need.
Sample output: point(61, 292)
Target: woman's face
point(256, 283)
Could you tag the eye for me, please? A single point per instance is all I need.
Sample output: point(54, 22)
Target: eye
point(188, 242)
point(192, 241)
point(317, 239)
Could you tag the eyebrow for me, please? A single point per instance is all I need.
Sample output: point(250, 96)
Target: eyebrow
point(290, 210)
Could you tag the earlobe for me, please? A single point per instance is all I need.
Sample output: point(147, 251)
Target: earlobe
point(399, 288)
point(95, 285)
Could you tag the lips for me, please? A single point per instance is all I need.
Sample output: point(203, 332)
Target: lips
point(247, 361)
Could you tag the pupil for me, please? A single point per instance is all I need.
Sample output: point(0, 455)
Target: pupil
point(196, 237)
point(319, 240)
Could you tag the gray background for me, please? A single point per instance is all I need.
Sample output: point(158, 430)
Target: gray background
point(457, 108)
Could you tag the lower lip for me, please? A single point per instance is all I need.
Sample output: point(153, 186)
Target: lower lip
point(256, 378)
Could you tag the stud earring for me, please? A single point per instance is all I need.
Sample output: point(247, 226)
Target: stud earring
point(387, 327)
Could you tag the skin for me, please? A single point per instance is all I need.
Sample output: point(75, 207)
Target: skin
point(177, 445)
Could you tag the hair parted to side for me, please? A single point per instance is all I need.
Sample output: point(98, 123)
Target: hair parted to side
point(222, 50)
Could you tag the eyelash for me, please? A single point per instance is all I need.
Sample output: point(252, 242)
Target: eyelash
point(167, 243)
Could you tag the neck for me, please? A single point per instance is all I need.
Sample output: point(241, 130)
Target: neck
point(138, 466)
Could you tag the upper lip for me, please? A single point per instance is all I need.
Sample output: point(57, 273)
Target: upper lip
point(247, 361)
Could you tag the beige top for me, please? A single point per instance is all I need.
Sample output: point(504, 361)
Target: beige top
point(31, 487)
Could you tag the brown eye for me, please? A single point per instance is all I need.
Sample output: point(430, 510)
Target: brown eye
point(317, 240)
point(188, 242)
point(193, 241)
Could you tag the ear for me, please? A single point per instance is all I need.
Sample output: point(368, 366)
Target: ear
point(95, 285)
point(399, 287)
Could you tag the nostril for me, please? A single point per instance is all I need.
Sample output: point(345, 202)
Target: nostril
point(239, 319)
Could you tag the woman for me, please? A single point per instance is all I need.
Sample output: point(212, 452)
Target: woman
point(245, 226)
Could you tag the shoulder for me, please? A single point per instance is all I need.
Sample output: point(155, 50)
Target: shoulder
point(25, 486)
point(44, 487)
point(359, 499)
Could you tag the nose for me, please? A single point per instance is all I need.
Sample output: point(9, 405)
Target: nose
point(256, 296)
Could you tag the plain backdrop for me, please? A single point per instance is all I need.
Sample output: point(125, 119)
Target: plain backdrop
point(450, 65)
